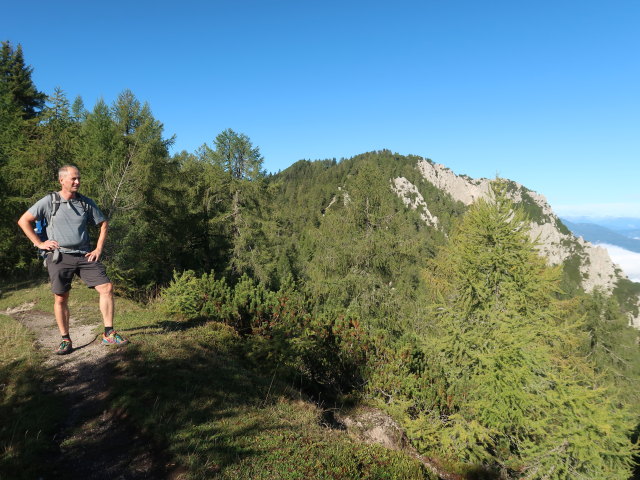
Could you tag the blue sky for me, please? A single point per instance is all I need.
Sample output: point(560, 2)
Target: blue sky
point(544, 93)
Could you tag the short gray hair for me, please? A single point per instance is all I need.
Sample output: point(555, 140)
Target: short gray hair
point(64, 170)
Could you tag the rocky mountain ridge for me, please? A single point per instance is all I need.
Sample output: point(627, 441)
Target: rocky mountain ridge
point(553, 239)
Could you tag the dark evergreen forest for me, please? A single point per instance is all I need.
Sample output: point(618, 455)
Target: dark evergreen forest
point(485, 355)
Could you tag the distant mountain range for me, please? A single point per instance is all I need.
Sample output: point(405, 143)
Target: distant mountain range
point(626, 226)
point(613, 231)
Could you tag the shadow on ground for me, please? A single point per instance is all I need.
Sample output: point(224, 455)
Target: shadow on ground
point(95, 441)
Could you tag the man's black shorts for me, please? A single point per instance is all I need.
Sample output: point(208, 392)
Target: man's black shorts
point(61, 273)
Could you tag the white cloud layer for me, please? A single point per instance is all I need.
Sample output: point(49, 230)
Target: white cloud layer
point(628, 261)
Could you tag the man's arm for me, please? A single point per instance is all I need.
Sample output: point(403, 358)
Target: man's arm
point(95, 255)
point(26, 224)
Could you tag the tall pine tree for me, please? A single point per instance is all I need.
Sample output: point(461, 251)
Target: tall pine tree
point(240, 164)
point(16, 77)
point(20, 182)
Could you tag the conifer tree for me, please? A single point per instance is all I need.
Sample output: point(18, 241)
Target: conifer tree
point(58, 136)
point(202, 192)
point(240, 164)
point(78, 110)
point(16, 77)
point(20, 104)
point(136, 167)
point(612, 345)
point(12, 140)
point(513, 391)
point(100, 148)
point(237, 155)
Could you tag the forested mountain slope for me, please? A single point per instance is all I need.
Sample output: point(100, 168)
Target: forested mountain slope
point(415, 255)
point(437, 196)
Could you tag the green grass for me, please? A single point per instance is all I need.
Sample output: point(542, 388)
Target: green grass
point(38, 292)
point(28, 415)
point(194, 389)
point(220, 416)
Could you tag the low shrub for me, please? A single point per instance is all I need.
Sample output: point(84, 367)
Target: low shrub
point(189, 297)
point(327, 353)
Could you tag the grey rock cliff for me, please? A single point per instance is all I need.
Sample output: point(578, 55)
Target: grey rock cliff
point(596, 267)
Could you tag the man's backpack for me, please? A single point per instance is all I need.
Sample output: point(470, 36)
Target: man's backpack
point(43, 223)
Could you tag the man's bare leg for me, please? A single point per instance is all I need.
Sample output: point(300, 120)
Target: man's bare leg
point(106, 303)
point(61, 311)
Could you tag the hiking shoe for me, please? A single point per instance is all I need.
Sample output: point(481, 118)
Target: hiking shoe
point(114, 338)
point(65, 347)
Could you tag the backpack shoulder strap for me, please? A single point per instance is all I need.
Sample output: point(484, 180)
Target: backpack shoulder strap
point(55, 203)
point(54, 198)
point(83, 201)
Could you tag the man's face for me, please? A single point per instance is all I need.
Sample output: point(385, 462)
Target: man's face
point(70, 181)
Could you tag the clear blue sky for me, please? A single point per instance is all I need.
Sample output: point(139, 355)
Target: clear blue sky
point(545, 93)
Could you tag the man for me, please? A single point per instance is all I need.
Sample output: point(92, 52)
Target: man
point(69, 251)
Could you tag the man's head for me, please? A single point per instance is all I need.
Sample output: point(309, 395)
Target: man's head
point(69, 177)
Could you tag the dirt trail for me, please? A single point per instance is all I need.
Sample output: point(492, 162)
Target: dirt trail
point(94, 441)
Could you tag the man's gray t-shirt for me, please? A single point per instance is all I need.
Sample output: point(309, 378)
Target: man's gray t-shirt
point(68, 226)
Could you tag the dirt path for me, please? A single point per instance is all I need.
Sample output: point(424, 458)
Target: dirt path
point(94, 441)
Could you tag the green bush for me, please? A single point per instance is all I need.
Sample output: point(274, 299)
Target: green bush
point(189, 297)
point(251, 305)
point(327, 353)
